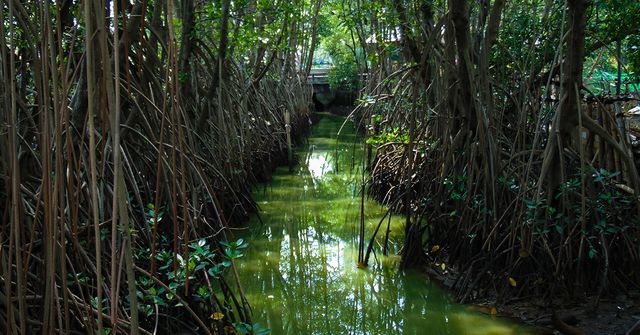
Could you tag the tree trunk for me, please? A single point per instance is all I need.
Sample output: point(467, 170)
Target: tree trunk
point(219, 66)
point(314, 36)
point(188, 24)
point(567, 117)
point(460, 16)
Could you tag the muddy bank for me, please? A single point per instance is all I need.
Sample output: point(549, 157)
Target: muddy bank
point(610, 315)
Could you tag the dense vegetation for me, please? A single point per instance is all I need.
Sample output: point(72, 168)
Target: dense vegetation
point(132, 132)
point(126, 156)
point(509, 157)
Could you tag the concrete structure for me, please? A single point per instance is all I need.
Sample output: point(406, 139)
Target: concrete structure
point(322, 92)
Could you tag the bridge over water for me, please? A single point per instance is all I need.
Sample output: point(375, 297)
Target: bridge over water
point(322, 92)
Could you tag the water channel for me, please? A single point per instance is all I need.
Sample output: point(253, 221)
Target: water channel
point(299, 272)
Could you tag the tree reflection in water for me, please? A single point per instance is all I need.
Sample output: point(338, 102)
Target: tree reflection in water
point(300, 272)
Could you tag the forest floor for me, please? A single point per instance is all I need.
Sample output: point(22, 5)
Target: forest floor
point(611, 315)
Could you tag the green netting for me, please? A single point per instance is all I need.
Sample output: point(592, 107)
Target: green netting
point(603, 81)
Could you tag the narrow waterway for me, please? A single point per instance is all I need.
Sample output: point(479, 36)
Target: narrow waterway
point(300, 273)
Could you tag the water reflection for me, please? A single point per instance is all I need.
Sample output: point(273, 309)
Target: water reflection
point(300, 271)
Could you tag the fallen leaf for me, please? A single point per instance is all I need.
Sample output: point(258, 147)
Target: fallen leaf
point(217, 316)
point(443, 266)
point(512, 282)
point(435, 248)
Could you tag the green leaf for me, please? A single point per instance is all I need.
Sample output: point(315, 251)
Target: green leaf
point(559, 229)
point(201, 266)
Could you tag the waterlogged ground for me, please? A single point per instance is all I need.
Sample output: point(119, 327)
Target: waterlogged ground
point(299, 272)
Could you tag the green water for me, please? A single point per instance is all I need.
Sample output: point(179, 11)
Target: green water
point(299, 272)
